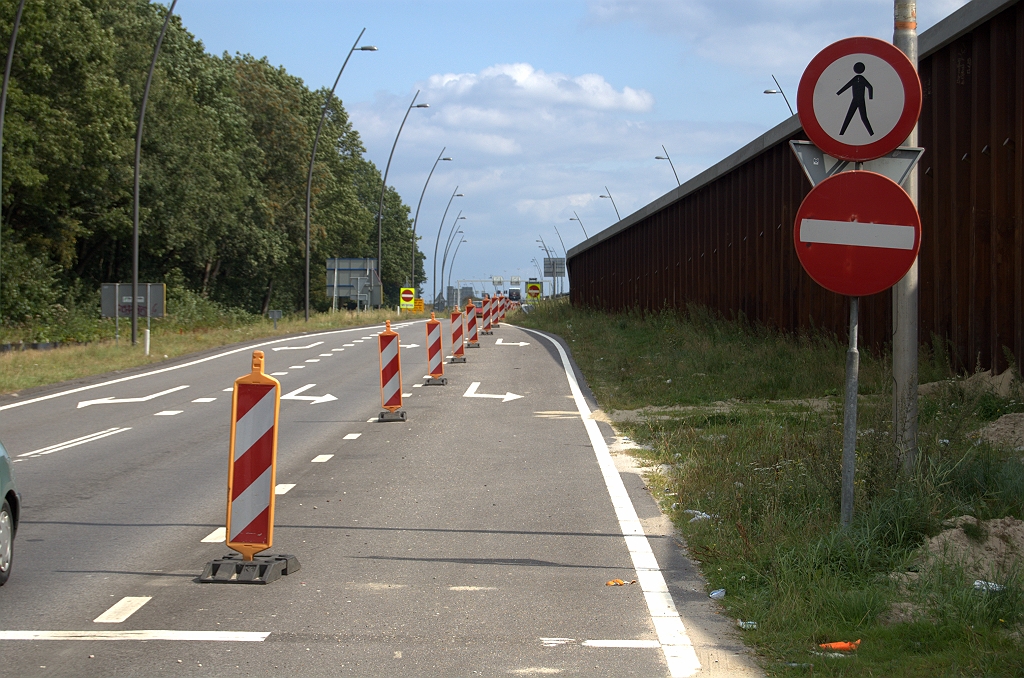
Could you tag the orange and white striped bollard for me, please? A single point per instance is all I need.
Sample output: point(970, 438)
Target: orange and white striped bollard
point(458, 345)
point(390, 375)
point(435, 354)
point(472, 340)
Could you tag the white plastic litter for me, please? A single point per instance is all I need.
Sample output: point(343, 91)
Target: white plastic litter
point(746, 625)
point(697, 515)
point(981, 585)
point(717, 594)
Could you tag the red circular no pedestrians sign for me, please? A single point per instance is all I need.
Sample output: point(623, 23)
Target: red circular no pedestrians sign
point(859, 99)
point(857, 233)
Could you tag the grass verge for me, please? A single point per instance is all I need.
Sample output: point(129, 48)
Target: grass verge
point(749, 469)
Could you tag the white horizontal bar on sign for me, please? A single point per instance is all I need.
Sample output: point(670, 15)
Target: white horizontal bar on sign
point(859, 234)
point(237, 636)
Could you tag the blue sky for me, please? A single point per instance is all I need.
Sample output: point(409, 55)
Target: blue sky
point(543, 104)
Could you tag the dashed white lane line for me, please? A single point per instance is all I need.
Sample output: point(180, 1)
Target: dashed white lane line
point(313, 360)
point(365, 338)
point(371, 420)
point(229, 390)
point(326, 355)
point(351, 345)
point(320, 458)
point(297, 367)
point(356, 341)
point(351, 436)
point(168, 413)
point(417, 385)
point(226, 636)
point(122, 609)
point(218, 536)
point(278, 374)
point(74, 442)
point(282, 488)
point(204, 400)
point(675, 643)
point(337, 349)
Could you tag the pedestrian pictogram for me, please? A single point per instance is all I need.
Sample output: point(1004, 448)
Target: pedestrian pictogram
point(857, 233)
point(859, 99)
point(435, 353)
point(408, 298)
point(390, 375)
point(458, 347)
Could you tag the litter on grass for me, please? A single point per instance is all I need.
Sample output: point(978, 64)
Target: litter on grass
point(981, 585)
point(698, 515)
point(746, 625)
point(717, 594)
point(841, 646)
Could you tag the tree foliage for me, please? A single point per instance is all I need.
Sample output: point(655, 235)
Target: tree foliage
point(225, 152)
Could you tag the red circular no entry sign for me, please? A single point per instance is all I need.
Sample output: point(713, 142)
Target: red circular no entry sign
point(408, 295)
point(859, 99)
point(857, 233)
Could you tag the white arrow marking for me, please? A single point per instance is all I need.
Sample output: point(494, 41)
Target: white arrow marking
point(512, 343)
point(112, 399)
point(409, 345)
point(313, 400)
point(296, 348)
point(471, 393)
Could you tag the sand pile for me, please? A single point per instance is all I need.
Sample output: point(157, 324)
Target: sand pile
point(986, 548)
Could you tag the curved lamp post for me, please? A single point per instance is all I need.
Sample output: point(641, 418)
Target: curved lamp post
point(609, 196)
point(412, 274)
point(669, 158)
point(779, 91)
point(457, 233)
point(138, 154)
point(3, 93)
point(448, 244)
point(453, 261)
point(383, 188)
point(577, 218)
point(437, 241)
point(316, 142)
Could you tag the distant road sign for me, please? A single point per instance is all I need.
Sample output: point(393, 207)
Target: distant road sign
point(857, 233)
point(859, 98)
point(408, 297)
point(554, 267)
point(533, 290)
point(417, 305)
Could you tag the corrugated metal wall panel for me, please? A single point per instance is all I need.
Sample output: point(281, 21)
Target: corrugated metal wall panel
point(728, 245)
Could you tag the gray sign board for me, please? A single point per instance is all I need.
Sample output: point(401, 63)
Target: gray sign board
point(819, 166)
point(352, 278)
point(116, 300)
point(554, 267)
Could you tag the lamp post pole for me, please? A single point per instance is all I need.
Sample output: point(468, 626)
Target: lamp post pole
point(671, 164)
point(383, 188)
point(577, 218)
point(316, 142)
point(452, 265)
point(779, 91)
point(412, 275)
point(3, 92)
point(437, 241)
point(138, 154)
point(565, 253)
point(609, 196)
point(451, 237)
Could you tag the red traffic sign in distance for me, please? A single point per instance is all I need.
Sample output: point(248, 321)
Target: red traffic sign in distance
point(857, 233)
point(859, 99)
point(408, 295)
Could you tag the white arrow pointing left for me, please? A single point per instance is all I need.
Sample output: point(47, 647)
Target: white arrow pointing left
point(313, 400)
point(295, 348)
point(112, 399)
point(471, 393)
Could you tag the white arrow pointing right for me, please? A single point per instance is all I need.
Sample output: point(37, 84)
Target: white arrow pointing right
point(313, 400)
point(512, 343)
point(471, 393)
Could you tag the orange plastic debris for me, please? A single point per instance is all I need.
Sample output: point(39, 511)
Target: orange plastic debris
point(841, 646)
point(616, 582)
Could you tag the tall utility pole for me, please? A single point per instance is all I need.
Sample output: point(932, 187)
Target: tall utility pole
point(905, 292)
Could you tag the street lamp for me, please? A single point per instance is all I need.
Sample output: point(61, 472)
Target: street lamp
point(779, 91)
point(457, 233)
point(437, 241)
point(609, 196)
point(416, 218)
point(453, 261)
point(316, 142)
point(138, 155)
point(577, 218)
point(667, 157)
point(383, 188)
point(447, 246)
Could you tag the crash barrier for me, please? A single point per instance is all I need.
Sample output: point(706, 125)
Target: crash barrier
point(458, 349)
point(252, 470)
point(472, 338)
point(390, 376)
point(485, 305)
point(435, 354)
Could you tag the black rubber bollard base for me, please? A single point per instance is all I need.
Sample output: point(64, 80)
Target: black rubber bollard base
point(456, 360)
point(431, 381)
point(400, 415)
point(473, 344)
point(232, 569)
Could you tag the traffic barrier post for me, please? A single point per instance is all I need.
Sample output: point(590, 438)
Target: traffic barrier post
point(486, 305)
point(458, 347)
point(495, 311)
point(390, 375)
point(472, 340)
point(435, 354)
point(252, 474)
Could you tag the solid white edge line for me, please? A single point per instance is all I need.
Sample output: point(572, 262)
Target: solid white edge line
point(248, 347)
point(678, 648)
point(122, 609)
point(75, 442)
point(621, 643)
point(235, 636)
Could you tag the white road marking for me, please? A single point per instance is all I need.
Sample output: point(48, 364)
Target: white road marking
point(471, 393)
point(409, 345)
point(313, 360)
point(297, 367)
point(367, 337)
point(218, 536)
point(278, 374)
point(229, 390)
point(313, 400)
point(472, 588)
point(282, 488)
point(122, 609)
point(417, 385)
point(499, 342)
point(168, 413)
point(242, 349)
point(295, 348)
point(351, 436)
point(555, 642)
point(326, 355)
point(356, 341)
point(675, 643)
point(320, 458)
point(74, 442)
point(112, 400)
point(349, 345)
point(887, 236)
point(621, 643)
point(371, 420)
point(406, 395)
point(237, 636)
point(204, 400)
point(337, 349)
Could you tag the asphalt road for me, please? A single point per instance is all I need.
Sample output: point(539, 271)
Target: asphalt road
point(474, 539)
